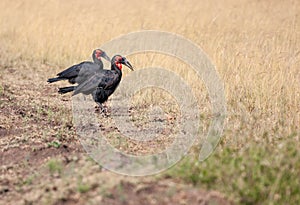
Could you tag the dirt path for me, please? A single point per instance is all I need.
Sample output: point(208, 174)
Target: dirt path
point(42, 161)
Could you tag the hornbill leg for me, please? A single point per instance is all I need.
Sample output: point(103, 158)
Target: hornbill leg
point(101, 108)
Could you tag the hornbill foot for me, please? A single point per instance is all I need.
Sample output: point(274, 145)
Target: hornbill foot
point(101, 108)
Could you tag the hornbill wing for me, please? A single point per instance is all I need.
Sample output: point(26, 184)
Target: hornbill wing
point(109, 80)
point(87, 71)
point(74, 70)
point(101, 79)
point(88, 86)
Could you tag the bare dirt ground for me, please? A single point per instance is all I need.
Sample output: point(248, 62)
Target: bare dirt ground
point(43, 162)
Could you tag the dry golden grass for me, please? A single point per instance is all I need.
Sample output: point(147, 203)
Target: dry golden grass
point(254, 45)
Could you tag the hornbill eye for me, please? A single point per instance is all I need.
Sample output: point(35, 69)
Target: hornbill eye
point(126, 62)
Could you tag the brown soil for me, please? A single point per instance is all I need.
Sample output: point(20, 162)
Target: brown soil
point(43, 162)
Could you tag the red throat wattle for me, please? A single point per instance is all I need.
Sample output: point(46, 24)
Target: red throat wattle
point(119, 65)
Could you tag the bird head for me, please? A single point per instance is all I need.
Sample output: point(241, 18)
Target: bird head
point(118, 60)
point(98, 53)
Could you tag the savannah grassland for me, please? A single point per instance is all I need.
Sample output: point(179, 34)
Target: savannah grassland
point(255, 46)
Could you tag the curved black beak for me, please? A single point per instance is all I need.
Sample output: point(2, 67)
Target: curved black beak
point(127, 63)
point(105, 56)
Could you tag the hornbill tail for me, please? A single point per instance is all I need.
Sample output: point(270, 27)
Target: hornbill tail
point(66, 89)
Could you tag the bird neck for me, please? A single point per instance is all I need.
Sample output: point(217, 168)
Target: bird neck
point(97, 61)
point(117, 67)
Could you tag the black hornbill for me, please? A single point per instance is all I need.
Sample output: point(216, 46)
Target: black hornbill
point(80, 72)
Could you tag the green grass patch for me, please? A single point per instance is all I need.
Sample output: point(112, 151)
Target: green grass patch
point(1, 90)
point(55, 144)
point(82, 187)
point(28, 180)
point(55, 166)
point(259, 174)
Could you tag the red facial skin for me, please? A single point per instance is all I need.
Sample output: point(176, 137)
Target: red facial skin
point(98, 54)
point(118, 64)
